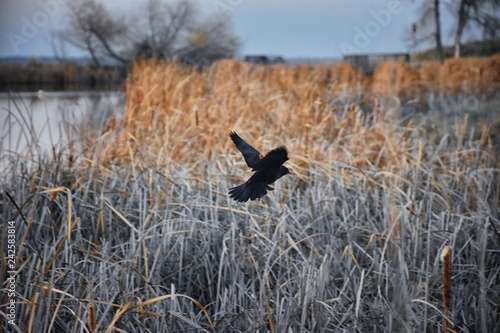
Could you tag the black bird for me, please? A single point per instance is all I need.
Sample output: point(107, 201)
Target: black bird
point(268, 170)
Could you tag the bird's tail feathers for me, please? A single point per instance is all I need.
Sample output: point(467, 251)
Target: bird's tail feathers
point(250, 191)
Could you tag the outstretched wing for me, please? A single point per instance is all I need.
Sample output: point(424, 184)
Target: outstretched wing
point(251, 155)
point(273, 160)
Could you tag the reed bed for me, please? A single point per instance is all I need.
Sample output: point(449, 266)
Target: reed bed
point(131, 229)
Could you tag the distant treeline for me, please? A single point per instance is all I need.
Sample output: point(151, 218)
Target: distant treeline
point(396, 78)
point(64, 76)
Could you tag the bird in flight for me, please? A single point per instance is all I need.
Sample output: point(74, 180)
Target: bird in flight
point(268, 169)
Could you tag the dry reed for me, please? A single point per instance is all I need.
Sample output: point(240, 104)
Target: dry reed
point(323, 114)
point(136, 233)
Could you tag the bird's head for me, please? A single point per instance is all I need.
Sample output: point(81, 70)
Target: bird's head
point(284, 171)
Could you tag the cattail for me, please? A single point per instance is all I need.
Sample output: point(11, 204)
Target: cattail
point(92, 317)
point(446, 258)
point(195, 109)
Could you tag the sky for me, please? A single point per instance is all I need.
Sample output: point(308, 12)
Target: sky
point(290, 28)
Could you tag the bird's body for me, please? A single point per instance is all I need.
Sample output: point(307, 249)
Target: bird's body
point(267, 170)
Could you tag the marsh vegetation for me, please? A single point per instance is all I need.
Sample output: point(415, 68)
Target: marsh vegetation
point(129, 228)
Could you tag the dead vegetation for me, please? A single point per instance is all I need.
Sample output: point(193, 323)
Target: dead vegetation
point(135, 232)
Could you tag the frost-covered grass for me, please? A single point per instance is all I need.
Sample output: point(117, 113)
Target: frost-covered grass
point(162, 252)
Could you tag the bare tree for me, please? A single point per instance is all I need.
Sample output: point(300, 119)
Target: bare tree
point(462, 17)
point(483, 14)
point(92, 28)
point(428, 27)
point(166, 25)
point(168, 29)
point(437, 24)
point(208, 41)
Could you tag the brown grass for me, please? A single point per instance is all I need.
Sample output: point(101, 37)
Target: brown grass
point(177, 115)
point(457, 76)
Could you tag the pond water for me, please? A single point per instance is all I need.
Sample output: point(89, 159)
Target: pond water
point(41, 120)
